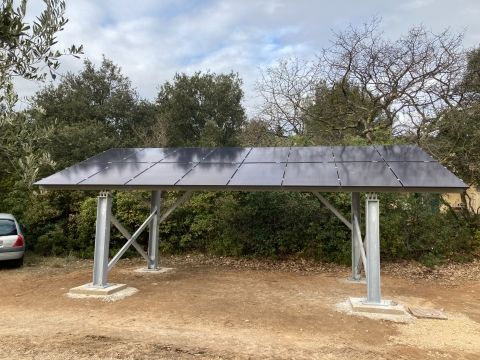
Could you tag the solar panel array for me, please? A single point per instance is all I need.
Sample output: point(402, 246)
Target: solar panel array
point(327, 168)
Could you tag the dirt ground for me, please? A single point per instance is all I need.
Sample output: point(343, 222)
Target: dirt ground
point(214, 308)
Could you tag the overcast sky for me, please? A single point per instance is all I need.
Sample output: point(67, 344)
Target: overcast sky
point(152, 40)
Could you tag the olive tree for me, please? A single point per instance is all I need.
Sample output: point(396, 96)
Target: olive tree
point(27, 50)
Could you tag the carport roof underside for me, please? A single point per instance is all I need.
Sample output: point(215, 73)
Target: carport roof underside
point(377, 168)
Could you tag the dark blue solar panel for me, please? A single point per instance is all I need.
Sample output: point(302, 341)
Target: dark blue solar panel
point(372, 168)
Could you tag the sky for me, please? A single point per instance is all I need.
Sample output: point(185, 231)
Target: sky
point(152, 40)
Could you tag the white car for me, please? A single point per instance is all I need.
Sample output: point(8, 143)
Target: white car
point(12, 242)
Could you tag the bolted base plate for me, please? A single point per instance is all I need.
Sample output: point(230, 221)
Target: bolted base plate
point(159, 270)
point(89, 289)
point(385, 307)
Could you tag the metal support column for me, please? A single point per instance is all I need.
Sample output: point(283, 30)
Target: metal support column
point(373, 249)
point(102, 240)
point(356, 243)
point(153, 231)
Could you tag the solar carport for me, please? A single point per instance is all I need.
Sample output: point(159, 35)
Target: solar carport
point(353, 169)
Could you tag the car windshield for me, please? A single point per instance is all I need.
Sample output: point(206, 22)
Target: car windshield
point(7, 227)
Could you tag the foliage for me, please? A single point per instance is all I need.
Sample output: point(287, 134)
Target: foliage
point(471, 79)
point(265, 225)
point(97, 108)
point(89, 112)
point(413, 227)
point(335, 117)
point(27, 50)
point(202, 109)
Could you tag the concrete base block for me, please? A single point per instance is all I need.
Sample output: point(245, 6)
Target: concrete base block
point(386, 307)
point(89, 289)
point(159, 270)
point(351, 280)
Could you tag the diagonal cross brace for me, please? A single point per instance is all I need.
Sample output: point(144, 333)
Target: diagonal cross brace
point(333, 209)
point(142, 227)
point(127, 235)
point(360, 243)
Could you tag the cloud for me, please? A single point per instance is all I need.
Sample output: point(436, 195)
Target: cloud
point(152, 40)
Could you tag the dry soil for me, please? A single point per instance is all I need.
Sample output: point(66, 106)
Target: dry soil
point(216, 308)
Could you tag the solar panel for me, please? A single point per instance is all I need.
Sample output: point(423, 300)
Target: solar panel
point(209, 174)
point(366, 174)
point(72, 175)
point(326, 168)
point(311, 175)
point(227, 155)
point(311, 154)
point(425, 175)
point(355, 153)
point(185, 155)
point(403, 153)
point(162, 174)
point(149, 155)
point(113, 155)
point(258, 174)
point(268, 154)
point(117, 173)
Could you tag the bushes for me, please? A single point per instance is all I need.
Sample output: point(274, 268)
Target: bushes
point(413, 227)
point(260, 224)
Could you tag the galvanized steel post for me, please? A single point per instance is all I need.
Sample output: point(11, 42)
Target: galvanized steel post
point(356, 275)
point(153, 231)
point(102, 240)
point(373, 249)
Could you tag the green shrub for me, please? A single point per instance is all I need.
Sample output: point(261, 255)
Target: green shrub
point(253, 224)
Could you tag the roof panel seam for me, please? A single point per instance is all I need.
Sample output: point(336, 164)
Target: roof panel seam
point(238, 167)
point(388, 165)
point(286, 165)
point(148, 168)
point(336, 168)
point(92, 175)
point(194, 166)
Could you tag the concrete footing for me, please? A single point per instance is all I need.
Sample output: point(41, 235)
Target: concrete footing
point(385, 307)
point(351, 280)
point(89, 289)
point(159, 270)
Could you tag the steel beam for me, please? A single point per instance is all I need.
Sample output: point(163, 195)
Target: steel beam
point(153, 231)
point(356, 227)
point(356, 241)
point(333, 209)
point(123, 230)
point(102, 240)
point(373, 249)
point(134, 237)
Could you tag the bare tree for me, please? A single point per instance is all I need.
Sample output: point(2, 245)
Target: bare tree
point(399, 86)
point(288, 89)
point(409, 81)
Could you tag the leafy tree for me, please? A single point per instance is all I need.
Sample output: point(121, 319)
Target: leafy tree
point(27, 49)
point(202, 109)
point(334, 116)
point(89, 112)
point(471, 80)
point(455, 137)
